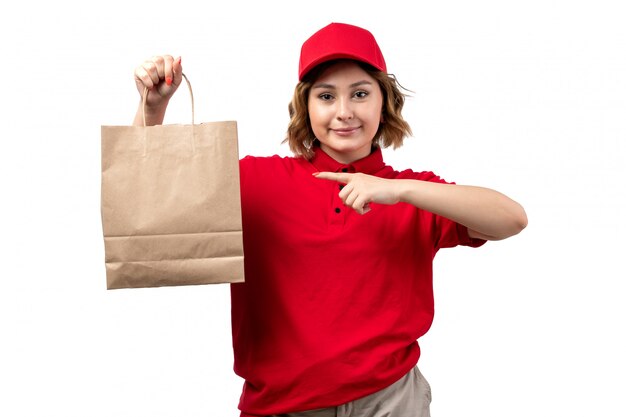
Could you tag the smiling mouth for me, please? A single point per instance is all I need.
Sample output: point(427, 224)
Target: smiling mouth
point(345, 131)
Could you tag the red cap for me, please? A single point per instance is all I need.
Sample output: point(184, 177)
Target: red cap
point(340, 40)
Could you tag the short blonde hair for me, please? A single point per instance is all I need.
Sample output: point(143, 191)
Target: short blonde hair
point(391, 132)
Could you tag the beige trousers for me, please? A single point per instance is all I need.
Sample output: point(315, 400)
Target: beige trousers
point(408, 397)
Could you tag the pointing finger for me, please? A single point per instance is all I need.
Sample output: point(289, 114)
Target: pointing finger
point(334, 176)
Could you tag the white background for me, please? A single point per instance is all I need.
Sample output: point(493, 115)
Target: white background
point(527, 97)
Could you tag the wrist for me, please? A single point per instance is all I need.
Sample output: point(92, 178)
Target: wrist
point(154, 108)
point(403, 190)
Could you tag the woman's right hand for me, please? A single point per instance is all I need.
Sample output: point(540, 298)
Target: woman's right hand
point(161, 75)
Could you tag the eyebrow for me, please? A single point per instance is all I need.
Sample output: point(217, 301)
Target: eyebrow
point(331, 86)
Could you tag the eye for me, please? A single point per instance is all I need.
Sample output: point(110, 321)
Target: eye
point(325, 96)
point(361, 94)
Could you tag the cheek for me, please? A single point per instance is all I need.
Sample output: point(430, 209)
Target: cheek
point(375, 114)
point(314, 120)
point(318, 115)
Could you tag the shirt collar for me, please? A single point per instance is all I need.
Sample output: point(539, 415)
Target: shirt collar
point(371, 164)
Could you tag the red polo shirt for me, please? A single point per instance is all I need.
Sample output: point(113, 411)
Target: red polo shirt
point(334, 301)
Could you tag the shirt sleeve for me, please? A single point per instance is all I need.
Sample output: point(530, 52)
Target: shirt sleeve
point(445, 233)
point(451, 234)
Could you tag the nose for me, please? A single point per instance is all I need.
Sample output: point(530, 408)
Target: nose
point(344, 109)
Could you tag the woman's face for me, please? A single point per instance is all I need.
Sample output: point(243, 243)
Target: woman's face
point(345, 109)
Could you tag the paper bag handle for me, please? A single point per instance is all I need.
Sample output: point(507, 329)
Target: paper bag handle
point(145, 97)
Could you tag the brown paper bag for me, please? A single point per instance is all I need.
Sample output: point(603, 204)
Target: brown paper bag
point(171, 209)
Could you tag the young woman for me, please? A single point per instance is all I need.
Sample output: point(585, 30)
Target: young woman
point(338, 245)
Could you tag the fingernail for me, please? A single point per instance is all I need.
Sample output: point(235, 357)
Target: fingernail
point(179, 59)
point(168, 80)
point(315, 174)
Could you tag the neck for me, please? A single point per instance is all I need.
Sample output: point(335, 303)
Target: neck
point(347, 157)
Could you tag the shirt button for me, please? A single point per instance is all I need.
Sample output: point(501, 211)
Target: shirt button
point(337, 210)
point(344, 169)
